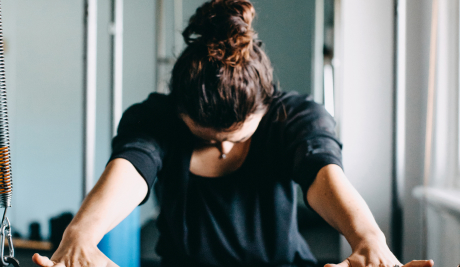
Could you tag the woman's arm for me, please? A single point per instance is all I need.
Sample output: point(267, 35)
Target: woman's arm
point(119, 190)
point(334, 198)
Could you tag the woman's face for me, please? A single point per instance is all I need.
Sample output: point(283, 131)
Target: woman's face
point(225, 140)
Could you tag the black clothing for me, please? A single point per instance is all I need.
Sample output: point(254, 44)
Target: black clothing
point(247, 218)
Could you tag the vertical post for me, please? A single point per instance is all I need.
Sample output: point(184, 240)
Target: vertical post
point(117, 66)
point(90, 93)
point(429, 121)
point(318, 57)
point(178, 24)
point(122, 244)
point(160, 39)
point(399, 122)
point(336, 64)
point(345, 248)
point(329, 89)
point(458, 111)
point(160, 32)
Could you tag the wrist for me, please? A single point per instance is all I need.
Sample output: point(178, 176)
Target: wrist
point(367, 238)
point(82, 235)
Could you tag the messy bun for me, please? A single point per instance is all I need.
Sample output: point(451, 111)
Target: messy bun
point(224, 27)
point(223, 75)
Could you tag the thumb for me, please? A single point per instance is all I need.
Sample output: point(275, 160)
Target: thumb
point(345, 263)
point(42, 260)
point(420, 263)
point(112, 264)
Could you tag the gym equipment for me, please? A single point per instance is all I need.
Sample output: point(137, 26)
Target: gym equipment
point(6, 182)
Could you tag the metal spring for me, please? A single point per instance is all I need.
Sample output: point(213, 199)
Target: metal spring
point(6, 186)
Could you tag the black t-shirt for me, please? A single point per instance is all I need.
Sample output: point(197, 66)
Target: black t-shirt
point(246, 218)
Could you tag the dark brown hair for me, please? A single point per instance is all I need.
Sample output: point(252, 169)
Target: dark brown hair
point(223, 75)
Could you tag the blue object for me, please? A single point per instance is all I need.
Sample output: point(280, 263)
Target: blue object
point(123, 244)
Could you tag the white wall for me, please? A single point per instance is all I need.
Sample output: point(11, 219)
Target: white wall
point(103, 97)
point(139, 51)
point(44, 79)
point(366, 91)
point(44, 61)
point(287, 30)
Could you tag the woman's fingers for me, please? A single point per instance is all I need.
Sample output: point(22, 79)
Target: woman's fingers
point(46, 262)
point(345, 263)
point(112, 264)
point(42, 260)
point(414, 263)
point(420, 263)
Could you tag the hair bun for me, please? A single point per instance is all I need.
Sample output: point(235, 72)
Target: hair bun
point(224, 27)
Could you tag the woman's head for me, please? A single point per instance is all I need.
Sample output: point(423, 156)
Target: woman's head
point(223, 76)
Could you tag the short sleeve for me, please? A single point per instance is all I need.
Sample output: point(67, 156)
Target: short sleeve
point(311, 140)
point(138, 140)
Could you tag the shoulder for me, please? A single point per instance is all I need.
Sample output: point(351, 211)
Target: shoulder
point(155, 112)
point(154, 104)
point(293, 110)
point(293, 102)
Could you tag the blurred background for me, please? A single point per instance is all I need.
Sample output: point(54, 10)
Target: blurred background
point(73, 66)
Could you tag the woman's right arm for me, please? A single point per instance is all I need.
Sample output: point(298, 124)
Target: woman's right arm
point(117, 193)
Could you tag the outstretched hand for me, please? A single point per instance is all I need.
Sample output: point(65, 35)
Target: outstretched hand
point(72, 261)
point(44, 261)
point(375, 252)
point(414, 263)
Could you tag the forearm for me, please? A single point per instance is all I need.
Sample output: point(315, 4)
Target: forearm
point(119, 190)
point(337, 201)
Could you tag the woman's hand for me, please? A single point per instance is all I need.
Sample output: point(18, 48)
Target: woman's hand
point(414, 263)
point(74, 255)
point(108, 203)
point(334, 198)
point(376, 253)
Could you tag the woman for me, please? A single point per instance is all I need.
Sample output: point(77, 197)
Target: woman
point(226, 149)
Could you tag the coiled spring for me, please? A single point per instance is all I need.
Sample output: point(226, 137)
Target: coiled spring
point(6, 185)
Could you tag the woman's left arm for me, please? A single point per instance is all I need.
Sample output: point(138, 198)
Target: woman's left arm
point(334, 198)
